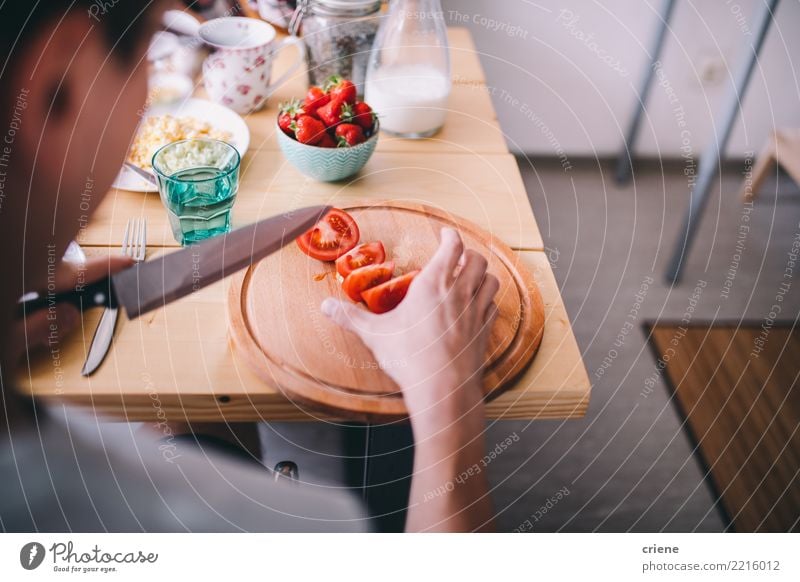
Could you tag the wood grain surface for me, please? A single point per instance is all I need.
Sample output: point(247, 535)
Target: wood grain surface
point(487, 190)
point(278, 329)
point(742, 408)
point(178, 362)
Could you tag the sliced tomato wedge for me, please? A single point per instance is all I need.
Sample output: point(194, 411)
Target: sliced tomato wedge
point(331, 237)
point(386, 296)
point(362, 279)
point(361, 256)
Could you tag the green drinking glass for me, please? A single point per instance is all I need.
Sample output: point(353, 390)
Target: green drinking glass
point(198, 180)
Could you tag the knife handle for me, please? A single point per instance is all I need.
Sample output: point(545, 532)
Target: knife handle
point(97, 294)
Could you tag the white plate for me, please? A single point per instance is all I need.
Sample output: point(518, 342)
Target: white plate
point(219, 116)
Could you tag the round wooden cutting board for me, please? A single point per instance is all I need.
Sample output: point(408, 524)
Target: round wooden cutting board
point(279, 331)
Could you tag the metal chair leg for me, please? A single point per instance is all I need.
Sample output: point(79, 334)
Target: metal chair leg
point(625, 158)
point(710, 160)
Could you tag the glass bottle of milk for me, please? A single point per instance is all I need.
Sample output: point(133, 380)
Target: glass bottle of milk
point(408, 76)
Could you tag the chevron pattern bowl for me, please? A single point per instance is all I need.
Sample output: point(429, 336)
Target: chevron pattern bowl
point(327, 164)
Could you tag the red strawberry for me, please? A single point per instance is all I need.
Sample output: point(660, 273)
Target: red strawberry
point(285, 123)
point(308, 130)
point(349, 134)
point(341, 88)
point(361, 114)
point(327, 141)
point(331, 114)
point(288, 114)
point(315, 98)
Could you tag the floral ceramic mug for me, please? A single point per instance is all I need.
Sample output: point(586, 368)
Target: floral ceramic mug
point(238, 73)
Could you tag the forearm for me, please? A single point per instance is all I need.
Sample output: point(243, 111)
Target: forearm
point(449, 488)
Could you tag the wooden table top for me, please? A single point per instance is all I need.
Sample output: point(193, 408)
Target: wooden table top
point(178, 362)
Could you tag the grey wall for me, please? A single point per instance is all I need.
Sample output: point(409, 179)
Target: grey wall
point(567, 74)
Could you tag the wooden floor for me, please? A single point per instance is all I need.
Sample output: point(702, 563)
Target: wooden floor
point(737, 388)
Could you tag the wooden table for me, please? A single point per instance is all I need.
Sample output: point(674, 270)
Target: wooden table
point(177, 362)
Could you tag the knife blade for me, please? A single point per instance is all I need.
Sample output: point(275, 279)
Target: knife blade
point(101, 342)
point(142, 173)
point(155, 283)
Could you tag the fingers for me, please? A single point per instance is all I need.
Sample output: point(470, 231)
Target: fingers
point(347, 315)
point(44, 326)
point(473, 273)
point(69, 274)
point(485, 296)
point(117, 263)
point(492, 312)
point(445, 260)
point(96, 268)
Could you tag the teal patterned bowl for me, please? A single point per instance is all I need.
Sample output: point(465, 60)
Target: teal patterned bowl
point(327, 164)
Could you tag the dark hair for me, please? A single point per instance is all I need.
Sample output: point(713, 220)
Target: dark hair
point(123, 22)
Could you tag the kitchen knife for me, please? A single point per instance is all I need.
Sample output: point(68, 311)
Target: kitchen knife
point(134, 244)
point(155, 283)
point(101, 342)
point(142, 173)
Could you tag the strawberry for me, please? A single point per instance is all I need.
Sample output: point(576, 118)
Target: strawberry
point(360, 114)
point(327, 141)
point(340, 88)
point(315, 98)
point(349, 134)
point(285, 123)
point(288, 114)
point(331, 113)
point(308, 130)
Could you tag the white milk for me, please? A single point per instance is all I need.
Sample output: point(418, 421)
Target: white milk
point(409, 99)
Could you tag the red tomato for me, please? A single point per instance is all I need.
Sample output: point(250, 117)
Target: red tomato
point(364, 278)
point(361, 256)
point(387, 296)
point(331, 237)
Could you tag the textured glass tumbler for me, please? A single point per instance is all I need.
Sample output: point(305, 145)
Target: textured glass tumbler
point(198, 180)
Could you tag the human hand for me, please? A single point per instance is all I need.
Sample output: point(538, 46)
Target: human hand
point(433, 345)
point(46, 326)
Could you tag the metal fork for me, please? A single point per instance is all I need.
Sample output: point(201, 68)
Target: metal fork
point(134, 244)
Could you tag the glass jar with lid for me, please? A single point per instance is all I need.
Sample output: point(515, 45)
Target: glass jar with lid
point(338, 35)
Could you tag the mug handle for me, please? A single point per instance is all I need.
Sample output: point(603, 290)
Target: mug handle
point(301, 57)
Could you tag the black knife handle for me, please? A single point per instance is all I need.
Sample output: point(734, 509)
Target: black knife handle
point(97, 294)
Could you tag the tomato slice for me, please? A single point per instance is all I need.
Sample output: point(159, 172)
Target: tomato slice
point(361, 256)
point(387, 296)
point(331, 237)
point(362, 279)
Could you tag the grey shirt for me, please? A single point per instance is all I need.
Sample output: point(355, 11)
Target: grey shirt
point(69, 472)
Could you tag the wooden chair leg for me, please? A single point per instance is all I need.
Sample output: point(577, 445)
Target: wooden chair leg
point(765, 162)
point(787, 152)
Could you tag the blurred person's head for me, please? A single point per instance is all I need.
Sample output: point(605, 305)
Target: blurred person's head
point(72, 78)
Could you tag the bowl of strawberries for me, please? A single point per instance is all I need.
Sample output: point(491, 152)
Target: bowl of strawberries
point(330, 134)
